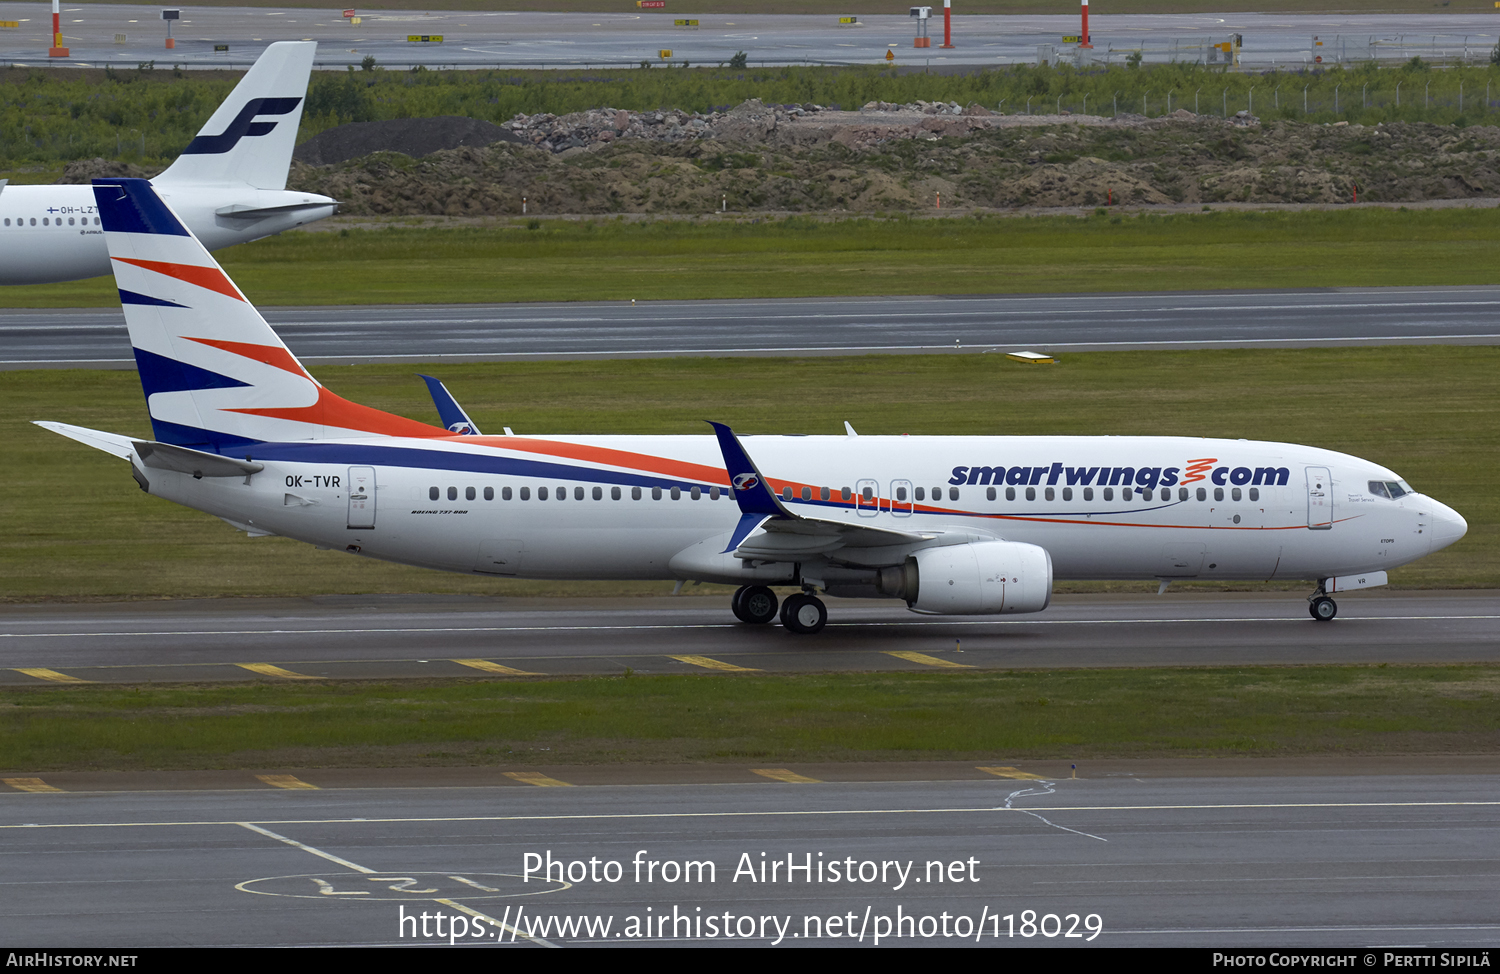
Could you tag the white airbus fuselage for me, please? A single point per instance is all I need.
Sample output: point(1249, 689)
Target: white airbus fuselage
point(1258, 511)
point(52, 233)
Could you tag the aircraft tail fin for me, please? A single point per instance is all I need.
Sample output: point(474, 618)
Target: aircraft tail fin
point(215, 375)
point(249, 140)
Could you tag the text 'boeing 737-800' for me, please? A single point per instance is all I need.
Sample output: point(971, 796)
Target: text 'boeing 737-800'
point(948, 524)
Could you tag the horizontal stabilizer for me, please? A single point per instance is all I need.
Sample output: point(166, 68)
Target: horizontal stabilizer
point(244, 211)
point(112, 443)
point(165, 456)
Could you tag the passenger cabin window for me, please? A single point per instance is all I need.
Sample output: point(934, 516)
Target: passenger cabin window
point(489, 493)
point(453, 493)
point(989, 493)
point(1202, 494)
point(824, 494)
point(432, 493)
point(1218, 493)
point(953, 493)
point(1088, 493)
point(921, 494)
point(1067, 493)
point(505, 493)
point(1125, 494)
point(1109, 493)
point(541, 493)
point(1031, 493)
point(1010, 493)
point(525, 493)
point(1234, 494)
point(469, 493)
point(635, 493)
point(614, 493)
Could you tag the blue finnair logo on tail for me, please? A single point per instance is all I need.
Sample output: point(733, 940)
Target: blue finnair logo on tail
point(244, 124)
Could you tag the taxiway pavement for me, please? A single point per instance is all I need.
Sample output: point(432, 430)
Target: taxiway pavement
point(1150, 861)
point(347, 637)
point(1334, 317)
point(128, 35)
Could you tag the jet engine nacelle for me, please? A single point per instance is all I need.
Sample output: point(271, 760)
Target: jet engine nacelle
point(986, 578)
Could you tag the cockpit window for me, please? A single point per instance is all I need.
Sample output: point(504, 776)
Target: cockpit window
point(1378, 489)
point(1388, 489)
point(1396, 490)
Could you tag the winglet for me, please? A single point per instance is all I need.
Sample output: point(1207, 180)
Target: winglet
point(749, 488)
point(452, 414)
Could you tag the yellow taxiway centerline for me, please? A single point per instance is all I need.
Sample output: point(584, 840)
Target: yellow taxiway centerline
point(782, 774)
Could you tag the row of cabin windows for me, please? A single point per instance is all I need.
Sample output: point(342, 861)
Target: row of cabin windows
point(579, 493)
point(868, 493)
point(1127, 493)
point(47, 221)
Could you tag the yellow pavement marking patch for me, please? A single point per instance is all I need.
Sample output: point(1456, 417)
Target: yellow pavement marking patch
point(285, 781)
point(714, 664)
point(29, 784)
point(1013, 773)
point(41, 673)
point(926, 660)
point(782, 774)
point(266, 669)
point(488, 667)
point(537, 778)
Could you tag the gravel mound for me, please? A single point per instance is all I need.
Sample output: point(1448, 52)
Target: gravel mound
point(415, 137)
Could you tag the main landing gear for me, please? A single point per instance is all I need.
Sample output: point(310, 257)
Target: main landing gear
point(1320, 606)
point(800, 613)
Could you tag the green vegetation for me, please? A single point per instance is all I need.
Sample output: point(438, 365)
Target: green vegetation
point(605, 259)
point(77, 527)
point(148, 114)
point(1254, 711)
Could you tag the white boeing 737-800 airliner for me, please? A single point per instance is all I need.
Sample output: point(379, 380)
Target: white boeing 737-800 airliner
point(950, 525)
point(228, 186)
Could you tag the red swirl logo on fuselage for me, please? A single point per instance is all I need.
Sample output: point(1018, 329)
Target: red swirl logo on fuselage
point(1198, 470)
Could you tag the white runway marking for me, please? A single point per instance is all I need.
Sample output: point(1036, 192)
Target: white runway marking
point(784, 813)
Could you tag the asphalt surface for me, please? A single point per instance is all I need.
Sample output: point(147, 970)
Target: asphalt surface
point(520, 39)
point(1148, 861)
point(1333, 317)
point(450, 637)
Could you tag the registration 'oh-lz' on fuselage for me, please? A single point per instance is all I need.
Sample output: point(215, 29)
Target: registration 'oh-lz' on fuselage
point(948, 524)
point(228, 186)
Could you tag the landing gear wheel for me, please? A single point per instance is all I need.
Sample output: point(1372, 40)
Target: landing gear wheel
point(804, 614)
point(734, 603)
point(755, 604)
point(1323, 608)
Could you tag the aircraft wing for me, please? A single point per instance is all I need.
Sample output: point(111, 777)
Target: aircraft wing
point(769, 532)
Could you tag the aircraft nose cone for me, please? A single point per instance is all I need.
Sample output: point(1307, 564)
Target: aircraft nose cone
point(1447, 526)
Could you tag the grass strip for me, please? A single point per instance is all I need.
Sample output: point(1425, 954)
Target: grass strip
point(78, 529)
point(606, 259)
point(1250, 711)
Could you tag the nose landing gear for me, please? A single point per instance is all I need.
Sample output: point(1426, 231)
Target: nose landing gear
point(1320, 606)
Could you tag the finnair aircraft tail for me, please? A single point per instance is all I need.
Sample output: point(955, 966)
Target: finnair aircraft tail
point(249, 140)
point(228, 186)
point(950, 525)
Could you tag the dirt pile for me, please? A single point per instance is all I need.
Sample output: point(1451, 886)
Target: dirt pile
point(86, 170)
point(899, 157)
